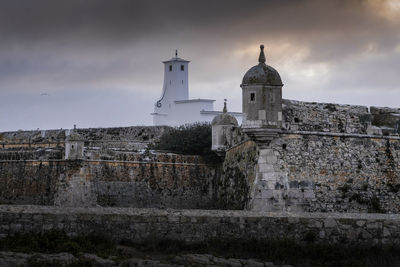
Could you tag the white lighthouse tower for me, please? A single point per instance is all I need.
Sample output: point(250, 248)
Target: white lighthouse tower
point(174, 107)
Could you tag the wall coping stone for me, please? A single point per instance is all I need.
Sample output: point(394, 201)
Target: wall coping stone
point(109, 161)
point(141, 225)
point(33, 209)
point(341, 134)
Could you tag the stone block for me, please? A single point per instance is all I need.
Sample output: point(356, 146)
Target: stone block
point(330, 223)
point(386, 232)
point(322, 234)
point(293, 184)
point(279, 186)
point(265, 167)
point(271, 185)
point(269, 176)
point(262, 159)
point(374, 225)
point(366, 235)
point(15, 227)
point(234, 263)
point(267, 194)
point(225, 262)
point(293, 220)
point(258, 194)
point(305, 184)
point(309, 194)
point(277, 194)
point(271, 159)
point(198, 258)
point(294, 194)
point(252, 263)
point(266, 152)
point(374, 130)
point(360, 223)
point(315, 224)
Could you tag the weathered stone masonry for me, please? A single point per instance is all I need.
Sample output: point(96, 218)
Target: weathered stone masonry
point(314, 172)
point(188, 183)
point(238, 174)
point(334, 173)
point(325, 157)
point(138, 225)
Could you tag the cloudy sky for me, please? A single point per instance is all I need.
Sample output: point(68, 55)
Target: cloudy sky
point(98, 62)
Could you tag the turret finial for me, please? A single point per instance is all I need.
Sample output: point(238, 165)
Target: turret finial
point(225, 110)
point(261, 58)
point(176, 52)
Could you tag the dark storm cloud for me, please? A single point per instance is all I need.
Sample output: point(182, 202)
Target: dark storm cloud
point(332, 29)
point(116, 46)
point(52, 20)
point(109, 20)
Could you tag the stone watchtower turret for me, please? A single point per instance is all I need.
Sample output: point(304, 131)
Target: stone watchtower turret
point(74, 144)
point(223, 126)
point(262, 101)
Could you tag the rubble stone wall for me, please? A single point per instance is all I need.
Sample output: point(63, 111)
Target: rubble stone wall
point(133, 138)
point(339, 173)
point(175, 182)
point(143, 133)
point(314, 172)
point(139, 225)
point(326, 158)
point(335, 118)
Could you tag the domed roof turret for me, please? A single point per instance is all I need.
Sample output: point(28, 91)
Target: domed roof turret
point(225, 118)
point(74, 136)
point(262, 74)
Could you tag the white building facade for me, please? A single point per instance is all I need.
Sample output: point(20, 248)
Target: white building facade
point(174, 108)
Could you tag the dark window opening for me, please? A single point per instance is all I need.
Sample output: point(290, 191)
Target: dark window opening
point(170, 67)
point(72, 146)
point(252, 97)
point(296, 120)
point(284, 146)
point(182, 67)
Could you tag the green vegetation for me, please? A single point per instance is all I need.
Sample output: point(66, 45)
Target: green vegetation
point(306, 253)
point(188, 139)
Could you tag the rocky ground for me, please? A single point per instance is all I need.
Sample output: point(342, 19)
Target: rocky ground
point(55, 248)
point(86, 259)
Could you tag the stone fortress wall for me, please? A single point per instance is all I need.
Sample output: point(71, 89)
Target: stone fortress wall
point(287, 163)
point(131, 138)
point(194, 226)
point(336, 118)
point(109, 183)
point(50, 144)
point(326, 158)
point(137, 133)
point(115, 170)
